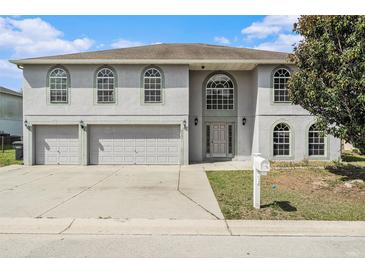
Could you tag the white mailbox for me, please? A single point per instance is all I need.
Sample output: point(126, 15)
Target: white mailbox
point(260, 167)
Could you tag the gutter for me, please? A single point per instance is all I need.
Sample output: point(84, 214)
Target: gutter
point(148, 61)
point(13, 93)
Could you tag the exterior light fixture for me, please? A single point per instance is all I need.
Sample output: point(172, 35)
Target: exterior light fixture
point(82, 125)
point(184, 124)
point(244, 120)
point(27, 124)
point(196, 120)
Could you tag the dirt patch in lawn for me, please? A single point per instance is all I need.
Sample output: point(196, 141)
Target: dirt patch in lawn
point(319, 183)
point(300, 180)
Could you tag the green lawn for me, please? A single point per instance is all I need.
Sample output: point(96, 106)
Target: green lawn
point(353, 158)
point(306, 193)
point(8, 158)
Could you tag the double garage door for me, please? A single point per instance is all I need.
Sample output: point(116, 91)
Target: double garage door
point(155, 144)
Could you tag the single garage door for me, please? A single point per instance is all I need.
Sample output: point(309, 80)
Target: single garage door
point(57, 145)
point(137, 144)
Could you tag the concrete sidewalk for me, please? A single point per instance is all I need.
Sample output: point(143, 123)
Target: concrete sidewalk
point(68, 226)
point(224, 165)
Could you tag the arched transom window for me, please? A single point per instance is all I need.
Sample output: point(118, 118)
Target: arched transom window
point(58, 86)
point(280, 80)
point(220, 92)
point(105, 85)
point(281, 140)
point(316, 141)
point(152, 81)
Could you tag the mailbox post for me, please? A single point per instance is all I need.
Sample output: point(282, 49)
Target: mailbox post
point(260, 167)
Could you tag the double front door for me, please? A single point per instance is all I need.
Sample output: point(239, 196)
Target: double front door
point(219, 140)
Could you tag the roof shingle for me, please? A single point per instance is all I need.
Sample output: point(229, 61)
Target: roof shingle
point(170, 52)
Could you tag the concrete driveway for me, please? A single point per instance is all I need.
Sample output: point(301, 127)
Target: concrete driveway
point(150, 192)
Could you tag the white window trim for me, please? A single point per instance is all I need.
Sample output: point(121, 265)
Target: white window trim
point(114, 85)
point(325, 142)
point(162, 87)
point(68, 84)
point(282, 157)
point(206, 93)
point(273, 85)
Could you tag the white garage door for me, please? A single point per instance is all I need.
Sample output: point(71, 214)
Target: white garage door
point(57, 145)
point(135, 144)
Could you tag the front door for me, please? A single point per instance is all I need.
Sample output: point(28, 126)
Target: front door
point(219, 140)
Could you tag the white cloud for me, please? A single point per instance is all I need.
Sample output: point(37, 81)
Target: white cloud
point(36, 37)
point(284, 42)
point(32, 37)
point(100, 46)
point(222, 40)
point(124, 43)
point(273, 33)
point(8, 70)
point(56, 46)
point(270, 25)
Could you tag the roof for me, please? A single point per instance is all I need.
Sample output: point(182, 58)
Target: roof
point(10, 92)
point(165, 54)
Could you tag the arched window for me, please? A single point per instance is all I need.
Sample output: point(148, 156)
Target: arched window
point(280, 80)
point(281, 140)
point(219, 92)
point(152, 81)
point(105, 85)
point(316, 141)
point(58, 86)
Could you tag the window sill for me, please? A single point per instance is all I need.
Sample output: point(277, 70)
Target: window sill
point(282, 102)
point(282, 158)
point(317, 157)
point(152, 103)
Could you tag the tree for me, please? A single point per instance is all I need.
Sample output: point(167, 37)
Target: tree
point(330, 80)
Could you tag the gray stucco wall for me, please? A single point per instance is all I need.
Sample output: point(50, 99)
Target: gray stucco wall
point(265, 101)
point(129, 99)
point(244, 107)
point(299, 126)
point(11, 114)
point(128, 109)
point(254, 101)
point(183, 100)
point(268, 114)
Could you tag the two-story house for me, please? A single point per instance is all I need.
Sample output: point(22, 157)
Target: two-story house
point(165, 104)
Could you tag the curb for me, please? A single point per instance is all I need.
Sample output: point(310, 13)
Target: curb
point(69, 226)
point(297, 228)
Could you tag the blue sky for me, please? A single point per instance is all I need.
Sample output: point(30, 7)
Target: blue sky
point(29, 36)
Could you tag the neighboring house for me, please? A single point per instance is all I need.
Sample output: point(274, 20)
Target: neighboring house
point(165, 104)
point(11, 112)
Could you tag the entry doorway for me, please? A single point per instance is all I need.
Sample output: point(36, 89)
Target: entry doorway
point(219, 140)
